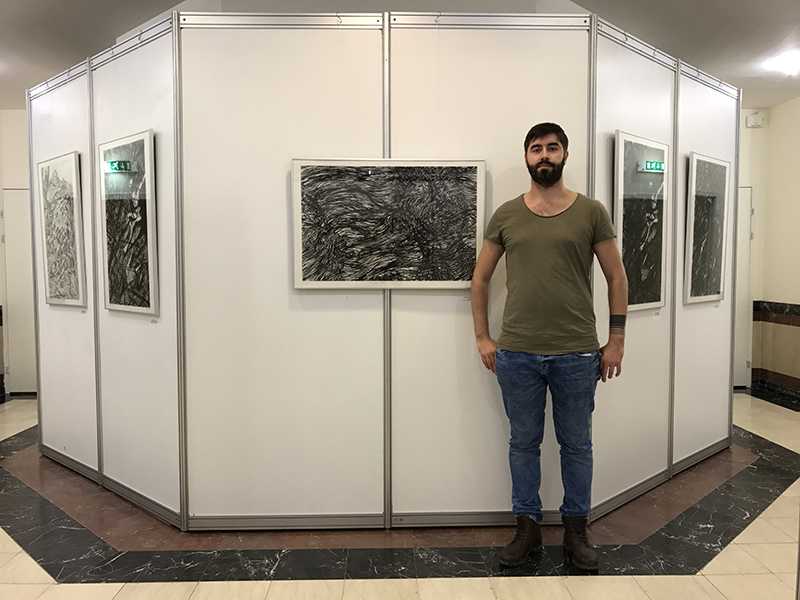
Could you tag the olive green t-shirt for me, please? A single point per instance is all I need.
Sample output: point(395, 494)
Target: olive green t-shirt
point(549, 308)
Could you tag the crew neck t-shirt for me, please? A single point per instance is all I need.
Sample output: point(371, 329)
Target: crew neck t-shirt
point(549, 308)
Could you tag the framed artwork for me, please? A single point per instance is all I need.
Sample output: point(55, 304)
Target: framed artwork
point(706, 224)
point(383, 223)
point(641, 177)
point(128, 215)
point(61, 213)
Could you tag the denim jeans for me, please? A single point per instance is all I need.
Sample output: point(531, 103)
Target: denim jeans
point(572, 379)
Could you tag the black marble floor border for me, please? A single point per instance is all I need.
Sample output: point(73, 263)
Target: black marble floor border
point(70, 553)
point(764, 392)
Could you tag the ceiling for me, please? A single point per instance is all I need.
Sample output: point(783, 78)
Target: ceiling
point(39, 38)
point(727, 38)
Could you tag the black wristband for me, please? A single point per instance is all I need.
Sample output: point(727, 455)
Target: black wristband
point(617, 322)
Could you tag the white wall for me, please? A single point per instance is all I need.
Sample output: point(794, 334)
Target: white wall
point(16, 279)
point(13, 149)
point(754, 149)
point(782, 207)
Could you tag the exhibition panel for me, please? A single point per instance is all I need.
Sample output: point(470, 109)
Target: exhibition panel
point(133, 94)
point(465, 89)
point(254, 238)
point(284, 385)
point(635, 102)
point(62, 167)
point(707, 125)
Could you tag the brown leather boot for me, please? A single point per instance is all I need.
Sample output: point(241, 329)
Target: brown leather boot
point(527, 539)
point(577, 549)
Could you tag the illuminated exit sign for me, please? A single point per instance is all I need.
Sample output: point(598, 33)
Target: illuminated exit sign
point(119, 166)
point(651, 166)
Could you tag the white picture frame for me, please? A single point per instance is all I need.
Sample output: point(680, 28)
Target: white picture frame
point(663, 150)
point(689, 250)
point(124, 297)
point(66, 171)
point(304, 283)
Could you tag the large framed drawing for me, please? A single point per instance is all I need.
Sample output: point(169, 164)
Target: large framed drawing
point(706, 224)
point(384, 223)
point(641, 179)
point(128, 206)
point(61, 213)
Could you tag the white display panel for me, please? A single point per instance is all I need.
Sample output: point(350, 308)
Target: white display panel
point(284, 386)
point(139, 353)
point(60, 124)
point(634, 94)
point(706, 124)
point(471, 94)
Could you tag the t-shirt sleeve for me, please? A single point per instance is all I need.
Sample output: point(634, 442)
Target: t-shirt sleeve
point(603, 228)
point(494, 230)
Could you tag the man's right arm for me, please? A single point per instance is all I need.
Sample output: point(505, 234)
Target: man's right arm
point(484, 269)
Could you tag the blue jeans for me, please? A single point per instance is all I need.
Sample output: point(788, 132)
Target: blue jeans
point(572, 379)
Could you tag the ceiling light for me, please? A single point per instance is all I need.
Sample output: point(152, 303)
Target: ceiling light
point(787, 63)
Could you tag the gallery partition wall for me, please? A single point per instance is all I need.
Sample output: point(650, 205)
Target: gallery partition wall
point(242, 323)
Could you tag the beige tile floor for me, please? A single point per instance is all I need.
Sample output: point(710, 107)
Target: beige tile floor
point(760, 563)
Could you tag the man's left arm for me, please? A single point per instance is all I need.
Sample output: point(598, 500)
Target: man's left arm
point(608, 256)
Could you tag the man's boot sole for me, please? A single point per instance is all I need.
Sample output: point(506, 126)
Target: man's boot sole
point(570, 560)
point(510, 565)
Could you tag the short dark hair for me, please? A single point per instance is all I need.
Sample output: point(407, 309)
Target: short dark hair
point(543, 129)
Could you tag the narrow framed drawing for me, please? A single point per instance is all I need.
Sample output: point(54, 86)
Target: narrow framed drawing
point(386, 223)
point(128, 215)
point(641, 181)
point(706, 225)
point(61, 215)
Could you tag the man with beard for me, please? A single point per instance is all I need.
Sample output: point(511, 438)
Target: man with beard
point(550, 236)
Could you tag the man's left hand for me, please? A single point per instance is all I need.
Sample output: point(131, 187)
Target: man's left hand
point(611, 358)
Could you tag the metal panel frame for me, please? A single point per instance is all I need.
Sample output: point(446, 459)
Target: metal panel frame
point(284, 522)
point(56, 81)
point(95, 291)
point(735, 260)
point(673, 313)
point(445, 20)
point(72, 464)
point(387, 294)
point(32, 201)
point(156, 509)
point(210, 20)
point(615, 34)
point(183, 447)
point(147, 35)
point(709, 81)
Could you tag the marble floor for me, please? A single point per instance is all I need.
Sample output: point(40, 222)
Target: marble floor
point(758, 557)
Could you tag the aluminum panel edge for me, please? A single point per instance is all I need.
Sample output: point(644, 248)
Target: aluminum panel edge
point(444, 20)
point(208, 20)
point(183, 448)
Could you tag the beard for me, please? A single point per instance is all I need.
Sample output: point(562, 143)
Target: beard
point(548, 176)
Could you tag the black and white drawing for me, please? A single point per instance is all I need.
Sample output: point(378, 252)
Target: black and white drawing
point(387, 223)
point(61, 216)
point(641, 177)
point(706, 222)
point(129, 224)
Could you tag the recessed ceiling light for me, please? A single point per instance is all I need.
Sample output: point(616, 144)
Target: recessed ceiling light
point(787, 63)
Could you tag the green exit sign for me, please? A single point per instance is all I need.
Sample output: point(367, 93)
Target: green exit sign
point(119, 166)
point(651, 166)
